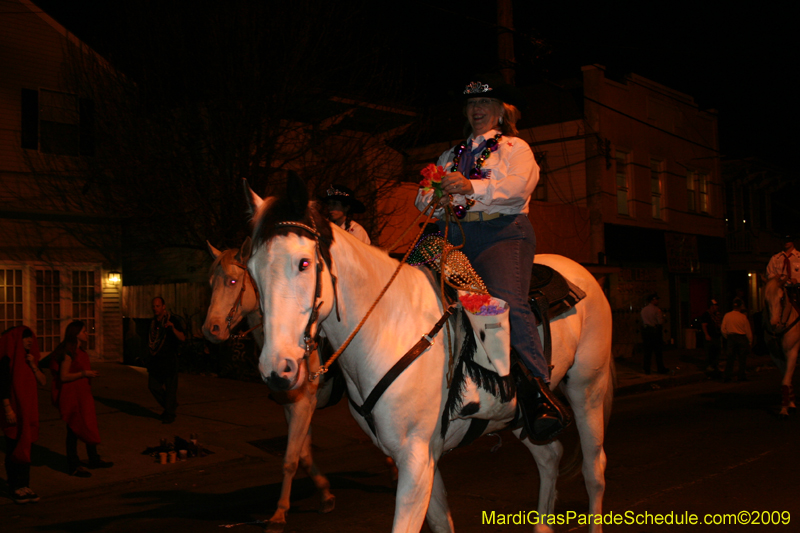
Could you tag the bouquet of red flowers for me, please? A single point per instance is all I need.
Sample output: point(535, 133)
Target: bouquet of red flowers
point(481, 304)
point(432, 179)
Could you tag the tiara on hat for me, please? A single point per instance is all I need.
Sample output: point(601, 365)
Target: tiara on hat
point(477, 87)
point(332, 191)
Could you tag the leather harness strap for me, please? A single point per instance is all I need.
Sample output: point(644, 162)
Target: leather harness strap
point(423, 344)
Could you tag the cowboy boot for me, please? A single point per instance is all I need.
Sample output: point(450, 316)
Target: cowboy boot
point(544, 417)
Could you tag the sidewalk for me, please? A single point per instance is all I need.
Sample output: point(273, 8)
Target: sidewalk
point(236, 421)
point(685, 367)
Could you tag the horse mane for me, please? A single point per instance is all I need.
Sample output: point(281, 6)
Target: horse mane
point(282, 208)
point(224, 260)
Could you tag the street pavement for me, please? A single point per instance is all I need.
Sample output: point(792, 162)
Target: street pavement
point(236, 422)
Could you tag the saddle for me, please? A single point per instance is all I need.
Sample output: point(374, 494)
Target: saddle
point(550, 296)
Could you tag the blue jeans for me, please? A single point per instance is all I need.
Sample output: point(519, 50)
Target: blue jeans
point(501, 252)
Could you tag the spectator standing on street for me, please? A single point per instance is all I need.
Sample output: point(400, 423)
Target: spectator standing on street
point(652, 334)
point(72, 395)
point(164, 342)
point(19, 374)
point(710, 323)
point(739, 336)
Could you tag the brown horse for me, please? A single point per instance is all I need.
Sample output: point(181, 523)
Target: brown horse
point(233, 299)
point(783, 321)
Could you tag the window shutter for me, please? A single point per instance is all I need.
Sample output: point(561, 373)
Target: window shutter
point(87, 126)
point(30, 119)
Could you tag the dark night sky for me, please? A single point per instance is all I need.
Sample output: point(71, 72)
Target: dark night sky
point(736, 61)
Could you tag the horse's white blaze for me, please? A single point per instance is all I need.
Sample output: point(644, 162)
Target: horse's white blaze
point(407, 416)
point(286, 275)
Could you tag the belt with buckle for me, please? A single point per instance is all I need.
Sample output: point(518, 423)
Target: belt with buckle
point(480, 216)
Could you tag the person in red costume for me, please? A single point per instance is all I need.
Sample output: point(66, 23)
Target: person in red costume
point(72, 394)
point(19, 374)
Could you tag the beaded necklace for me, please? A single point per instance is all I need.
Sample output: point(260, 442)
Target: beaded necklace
point(475, 172)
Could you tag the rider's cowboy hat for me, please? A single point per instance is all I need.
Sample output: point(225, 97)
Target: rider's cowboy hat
point(492, 86)
point(345, 195)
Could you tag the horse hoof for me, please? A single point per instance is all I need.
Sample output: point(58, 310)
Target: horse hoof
point(275, 527)
point(327, 504)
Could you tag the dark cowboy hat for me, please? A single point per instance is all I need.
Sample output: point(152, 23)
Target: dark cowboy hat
point(345, 195)
point(493, 86)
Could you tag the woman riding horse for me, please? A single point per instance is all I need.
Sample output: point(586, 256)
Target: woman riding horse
point(490, 178)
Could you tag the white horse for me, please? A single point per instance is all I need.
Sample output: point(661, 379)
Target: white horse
point(233, 298)
point(784, 325)
point(295, 265)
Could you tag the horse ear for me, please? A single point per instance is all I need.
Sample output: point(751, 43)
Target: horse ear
point(244, 251)
point(254, 201)
point(214, 252)
point(297, 193)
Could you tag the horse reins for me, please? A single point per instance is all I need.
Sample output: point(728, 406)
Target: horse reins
point(324, 367)
point(238, 303)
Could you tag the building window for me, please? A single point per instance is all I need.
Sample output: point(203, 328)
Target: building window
point(83, 302)
point(623, 189)
point(57, 123)
point(697, 189)
point(656, 188)
point(48, 309)
point(540, 192)
point(702, 192)
point(10, 298)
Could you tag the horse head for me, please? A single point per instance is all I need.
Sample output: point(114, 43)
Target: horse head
point(288, 264)
point(231, 297)
point(775, 302)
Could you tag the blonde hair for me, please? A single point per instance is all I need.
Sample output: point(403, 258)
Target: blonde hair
point(510, 115)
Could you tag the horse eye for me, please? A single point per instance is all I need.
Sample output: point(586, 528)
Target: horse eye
point(304, 263)
point(233, 282)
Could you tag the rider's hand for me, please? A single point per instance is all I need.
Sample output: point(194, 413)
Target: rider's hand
point(456, 183)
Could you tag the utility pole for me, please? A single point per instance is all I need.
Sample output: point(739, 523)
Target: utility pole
point(505, 40)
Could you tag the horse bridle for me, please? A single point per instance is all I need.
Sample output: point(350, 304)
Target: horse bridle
point(238, 302)
point(310, 340)
point(790, 305)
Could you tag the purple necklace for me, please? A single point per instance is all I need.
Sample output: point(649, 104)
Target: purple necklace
point(475, 172)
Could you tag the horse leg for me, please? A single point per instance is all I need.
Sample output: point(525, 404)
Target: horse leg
point(547, 458)
point(438, 517)
point(327, 499)
point(591, 421)
point(787, 391)
point(414, 485)
point(298, 415)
